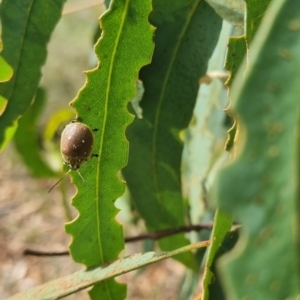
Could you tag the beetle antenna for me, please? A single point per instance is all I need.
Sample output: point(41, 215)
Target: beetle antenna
point(53, 186)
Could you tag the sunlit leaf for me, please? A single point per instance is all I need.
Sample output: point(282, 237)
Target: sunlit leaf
point(124, 47)
point(6, 70)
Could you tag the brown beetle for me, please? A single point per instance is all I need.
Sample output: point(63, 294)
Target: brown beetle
point(76, 144)
point(76, 147)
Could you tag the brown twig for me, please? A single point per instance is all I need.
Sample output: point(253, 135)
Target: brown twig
point(44, 253)
point(156, 235)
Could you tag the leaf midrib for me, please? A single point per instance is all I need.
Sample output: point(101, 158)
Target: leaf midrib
point(108, 88)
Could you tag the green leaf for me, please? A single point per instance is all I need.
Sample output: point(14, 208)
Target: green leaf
point(26, 29)
point(215, 289)
point(185, 38)
point(261, 186)
point(8, 135)
point(222, 225)
point(125, 46)
point(70, 284)
point(255, 12)
point(238, 47)
point(27, 138)
point(6, 70)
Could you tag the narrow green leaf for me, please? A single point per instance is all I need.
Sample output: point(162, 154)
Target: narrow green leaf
point(237, 49)
point(261, 187)
point(185, 38)
point(239, 46)
point(26, 29)
point(27, 141)
point(222, 225)
point(70, 284)
point(215, 288)
point(125, 46)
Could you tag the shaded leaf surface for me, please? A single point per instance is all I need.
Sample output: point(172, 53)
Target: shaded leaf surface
point(238, 47)
point(124, 47)
point(26, 138)
point(185, 38)
point(261, 187)
point(230, 10)
point(26, 29)
point(255, 12)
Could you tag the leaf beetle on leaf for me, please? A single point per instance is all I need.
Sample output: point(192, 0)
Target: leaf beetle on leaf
point(76, 147)
point(76, 144)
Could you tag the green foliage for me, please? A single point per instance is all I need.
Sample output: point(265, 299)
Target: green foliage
point(222, 226)
point(6, 70)
point(255, 12)
point(27, 138)
point(26, 29)
point(185, 38)
point(102, 104)
point(215, 289)
point(167, 45)
point(237, 49)
point(261, 187)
